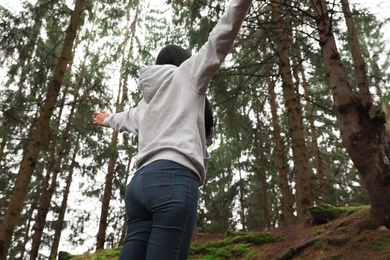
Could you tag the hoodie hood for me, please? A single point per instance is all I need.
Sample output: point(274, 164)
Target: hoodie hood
point(152, 77)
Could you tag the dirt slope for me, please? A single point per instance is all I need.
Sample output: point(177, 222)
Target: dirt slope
point(348, 236)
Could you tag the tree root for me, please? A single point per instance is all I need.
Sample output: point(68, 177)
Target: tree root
point(293, 251)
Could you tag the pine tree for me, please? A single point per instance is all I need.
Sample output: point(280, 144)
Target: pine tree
point(37, 137)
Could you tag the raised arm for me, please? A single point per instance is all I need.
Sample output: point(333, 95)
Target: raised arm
point(202, 66)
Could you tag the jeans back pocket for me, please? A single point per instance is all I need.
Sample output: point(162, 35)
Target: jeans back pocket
point(157, 186)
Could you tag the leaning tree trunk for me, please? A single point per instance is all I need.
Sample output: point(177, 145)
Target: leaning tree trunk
point(304, 195)
point(357, 57)
point(362, 133)
point(38, 135)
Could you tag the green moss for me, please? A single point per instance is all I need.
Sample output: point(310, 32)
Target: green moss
point(207, 248)
point(211, 257)
point(319, 231)
point(326, 213)
point(251, 255)
point(236, 244)
point(223, 253)
point(110, 254)
point(381, 244)
point(321, 244)
point(240, 249)
point(256, 239)
point(107, 254)
point(65, 255)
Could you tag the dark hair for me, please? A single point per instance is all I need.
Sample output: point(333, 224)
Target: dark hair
point(176, 55)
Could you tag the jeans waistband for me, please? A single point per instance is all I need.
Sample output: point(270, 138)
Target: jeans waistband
point(166, 165)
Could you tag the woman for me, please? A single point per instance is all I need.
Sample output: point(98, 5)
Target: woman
point(161, 199)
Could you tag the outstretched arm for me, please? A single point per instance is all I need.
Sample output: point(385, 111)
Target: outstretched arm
point(121, 121)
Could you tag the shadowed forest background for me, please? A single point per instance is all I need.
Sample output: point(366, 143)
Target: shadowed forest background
point(301, 108)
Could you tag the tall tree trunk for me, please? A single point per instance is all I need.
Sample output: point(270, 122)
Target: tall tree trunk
point(47, 194)
point(26, 235)
point(122, 94)
point(287, 205)
point(304, 191)
point(363, 133)
point(261, 173)
point(101, 236)
point(39, 134)
point(323, 184)
point(58, 225)
point(47, 189)
point(122, 193)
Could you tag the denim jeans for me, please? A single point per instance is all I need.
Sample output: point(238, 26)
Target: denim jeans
point(161, 205)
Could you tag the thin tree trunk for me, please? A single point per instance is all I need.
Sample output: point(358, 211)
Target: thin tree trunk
point(47, 193)
point(357, 57)
point(124, 227)
point(23, 247)
point(242, 203)
point(322, 183)
point(304, 191)
point(262, 174)
point(363, 134)
point(287, 217)
point(122, 94)
point(101, 236)
point(58, 225)
point(39, 134)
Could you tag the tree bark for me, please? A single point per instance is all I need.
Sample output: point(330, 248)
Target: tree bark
point(304, 191)
point(39, 134)
point(287, 205)
point(47, 192)
point(363, 134)
point(323, 184)
point(58, 225)
point(122, 94)
point(357, 57)
point(47, 189)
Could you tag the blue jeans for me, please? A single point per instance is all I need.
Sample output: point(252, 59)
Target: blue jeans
point(161, 204)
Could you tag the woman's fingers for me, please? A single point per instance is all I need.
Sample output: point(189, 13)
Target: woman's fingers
point(99, 117)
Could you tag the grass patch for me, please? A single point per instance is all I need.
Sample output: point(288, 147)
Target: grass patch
point(381, 245)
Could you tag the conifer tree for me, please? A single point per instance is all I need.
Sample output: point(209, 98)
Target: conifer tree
point(37, 137)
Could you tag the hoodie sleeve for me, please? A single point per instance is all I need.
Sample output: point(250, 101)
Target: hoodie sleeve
point(124, 121)
point(202, 66)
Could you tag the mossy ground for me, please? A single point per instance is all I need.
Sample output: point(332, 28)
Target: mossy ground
point(344, 235)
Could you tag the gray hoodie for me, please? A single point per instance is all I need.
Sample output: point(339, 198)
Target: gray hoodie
point(169, 120)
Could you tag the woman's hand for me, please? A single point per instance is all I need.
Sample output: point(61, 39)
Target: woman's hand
point(99, 117)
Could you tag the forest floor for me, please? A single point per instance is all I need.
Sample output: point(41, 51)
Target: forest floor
point(347, 236)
